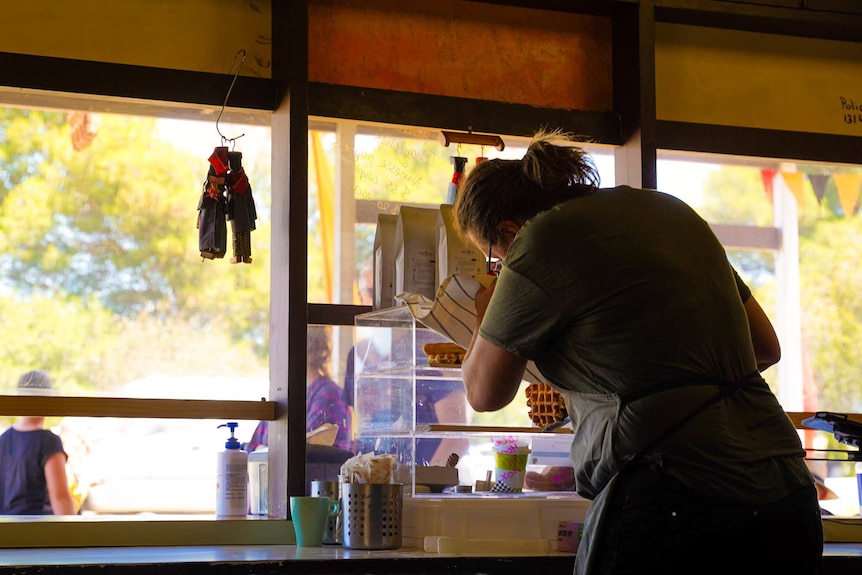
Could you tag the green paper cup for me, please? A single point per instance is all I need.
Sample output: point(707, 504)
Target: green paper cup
point(510, 463)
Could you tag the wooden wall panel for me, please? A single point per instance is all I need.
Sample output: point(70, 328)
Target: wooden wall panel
point(195, 35)
point(746, 79)
point(463, 49)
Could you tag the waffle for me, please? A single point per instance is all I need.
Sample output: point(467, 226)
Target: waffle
point(545, 404)
point(444, 354)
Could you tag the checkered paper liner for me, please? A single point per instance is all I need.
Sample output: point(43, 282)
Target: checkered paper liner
point(501, 487)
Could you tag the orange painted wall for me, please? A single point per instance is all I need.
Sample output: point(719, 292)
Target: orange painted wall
point(463, 49)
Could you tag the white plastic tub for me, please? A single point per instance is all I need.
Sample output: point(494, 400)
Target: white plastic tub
point(530, 519)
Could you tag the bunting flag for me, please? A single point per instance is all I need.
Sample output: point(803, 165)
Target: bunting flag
point(848, 186)
point(768, 177)
point(818, 184)
point(795, 182)
point(848, 191)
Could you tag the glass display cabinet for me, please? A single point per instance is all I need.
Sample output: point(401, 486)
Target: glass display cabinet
point(398, 409)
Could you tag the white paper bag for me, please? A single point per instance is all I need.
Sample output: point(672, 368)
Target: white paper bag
point(455, 256)
point(416, 250)
point(384, 262)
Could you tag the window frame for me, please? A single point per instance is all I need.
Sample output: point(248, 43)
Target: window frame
point(196, 94)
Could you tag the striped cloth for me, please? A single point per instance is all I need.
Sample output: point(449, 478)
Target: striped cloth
point(452, 314)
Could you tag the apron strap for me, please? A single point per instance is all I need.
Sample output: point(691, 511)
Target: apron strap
point(725, 389)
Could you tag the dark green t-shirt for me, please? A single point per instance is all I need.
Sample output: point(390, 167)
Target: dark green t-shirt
point(624, 291)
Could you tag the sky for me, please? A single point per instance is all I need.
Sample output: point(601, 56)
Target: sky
point(200, 138)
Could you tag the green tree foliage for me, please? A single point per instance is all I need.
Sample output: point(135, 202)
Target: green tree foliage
point(735, 195)
point(830, 284)
point(832, 310)
point(403, 168)
point(61, 334)
point(103, 222)
point(102, 280)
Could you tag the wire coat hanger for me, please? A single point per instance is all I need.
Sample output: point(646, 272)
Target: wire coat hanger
point(224, 138)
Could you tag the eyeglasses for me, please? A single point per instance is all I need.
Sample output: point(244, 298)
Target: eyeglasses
point(494, 264)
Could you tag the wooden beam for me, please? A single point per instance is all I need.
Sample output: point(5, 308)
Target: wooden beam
point(634, 94)
point(451, 113)
point(790, 19)
point(758, 142)
point(63, 406)
point(27, 72)
point(334, 314)
point(289, 265)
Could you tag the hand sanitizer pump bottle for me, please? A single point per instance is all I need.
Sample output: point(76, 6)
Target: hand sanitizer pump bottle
point(232, 478)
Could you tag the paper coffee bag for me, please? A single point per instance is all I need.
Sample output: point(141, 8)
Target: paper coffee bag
point(416, 251)
point(384, 262)
point(454, 254)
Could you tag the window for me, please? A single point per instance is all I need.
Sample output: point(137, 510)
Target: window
point(791, 230)
point(105, 289)
point(364, 171)
point(105, 283)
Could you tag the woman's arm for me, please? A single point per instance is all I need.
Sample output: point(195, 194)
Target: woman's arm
point(767, 348)
point(491, 374)
point(58, 485)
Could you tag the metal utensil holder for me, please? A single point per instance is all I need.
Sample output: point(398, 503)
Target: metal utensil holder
point(332, 530)
point(372, 515)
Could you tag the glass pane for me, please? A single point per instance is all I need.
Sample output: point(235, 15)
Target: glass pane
point(792, 231)
point(377, 171)
point(103, 280)
point(757, 270)
point(145, 466)
point(722, 193)
point(104, 284)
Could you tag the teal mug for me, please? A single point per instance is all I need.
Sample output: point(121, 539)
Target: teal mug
point(309, 516)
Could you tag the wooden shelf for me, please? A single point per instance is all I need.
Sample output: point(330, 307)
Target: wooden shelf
point(473, 429)
point(62, 406)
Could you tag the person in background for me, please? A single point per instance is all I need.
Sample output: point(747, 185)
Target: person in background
point(323, 397)
point(259, 437)
point(437, 401)
point(626, 301)
point(33, 463)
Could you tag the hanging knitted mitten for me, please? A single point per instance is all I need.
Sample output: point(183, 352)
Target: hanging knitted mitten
point(240, 209)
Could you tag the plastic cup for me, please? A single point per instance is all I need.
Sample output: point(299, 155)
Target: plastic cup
point(510, 463)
